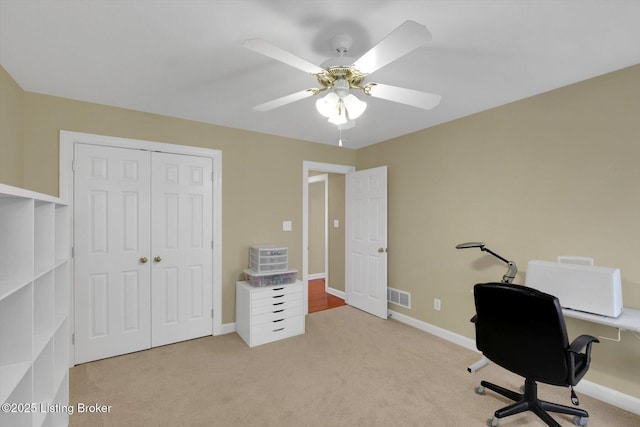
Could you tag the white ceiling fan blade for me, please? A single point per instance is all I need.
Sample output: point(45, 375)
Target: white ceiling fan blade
point(415, 98)
point(279, 102)
point(404, 39)
point(265, 48)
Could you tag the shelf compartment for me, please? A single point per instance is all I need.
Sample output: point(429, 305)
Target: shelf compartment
point(61, 418)
point(62, 233)
point(62, 284)
point(43, 375)
point(44, 236)
point(43, 310)
point(20, 394)
point(16, 242)
point(61, 344)
point(15, 336)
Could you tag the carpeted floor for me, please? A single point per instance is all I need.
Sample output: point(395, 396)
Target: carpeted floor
point(349, 369)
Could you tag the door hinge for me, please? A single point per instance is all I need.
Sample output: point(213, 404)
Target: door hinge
point(73, 338)
point(212, 244)
point(73, 252)
point(73, 165)
point(212, 313)
point(212, 177)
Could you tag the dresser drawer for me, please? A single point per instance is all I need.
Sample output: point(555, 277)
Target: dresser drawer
point(276, 300)
point(275, 291)
point(295, 300)
point(268, 332)
point(276, 315)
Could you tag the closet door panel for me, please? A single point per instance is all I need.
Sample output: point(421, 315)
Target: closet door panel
point(111, 243)
point(182, 276)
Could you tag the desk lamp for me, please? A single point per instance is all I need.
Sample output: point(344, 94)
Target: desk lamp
point(512, 268)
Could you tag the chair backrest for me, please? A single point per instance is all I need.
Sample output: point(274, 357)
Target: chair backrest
point(522, 330)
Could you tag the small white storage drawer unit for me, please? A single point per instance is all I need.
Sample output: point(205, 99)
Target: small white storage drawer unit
point(269, 313)
point(264, 258)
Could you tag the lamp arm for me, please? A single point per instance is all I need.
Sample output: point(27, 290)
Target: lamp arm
point(512, 268)
point(494, 254)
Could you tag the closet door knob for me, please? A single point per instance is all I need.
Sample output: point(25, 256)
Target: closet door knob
point(157, 259)
point(143, 260)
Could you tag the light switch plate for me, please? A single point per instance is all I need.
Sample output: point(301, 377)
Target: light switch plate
point(336, 223)
point(286, 225)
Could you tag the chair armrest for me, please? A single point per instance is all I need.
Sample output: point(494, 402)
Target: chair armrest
point(577, 371)
point(581, 342)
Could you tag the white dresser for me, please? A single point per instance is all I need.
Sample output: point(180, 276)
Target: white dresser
point(269, 313)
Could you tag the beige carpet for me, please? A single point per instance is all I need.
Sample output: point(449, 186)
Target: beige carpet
point(349, 369)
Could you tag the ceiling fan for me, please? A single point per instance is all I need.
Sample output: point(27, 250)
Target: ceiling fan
point(339, 105)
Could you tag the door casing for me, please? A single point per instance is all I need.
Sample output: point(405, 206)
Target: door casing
point(318, 167)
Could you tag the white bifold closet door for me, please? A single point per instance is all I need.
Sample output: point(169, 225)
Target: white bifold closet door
point(143, 251)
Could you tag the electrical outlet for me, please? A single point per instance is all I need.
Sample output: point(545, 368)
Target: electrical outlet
point(286, 225)
point(436, 304)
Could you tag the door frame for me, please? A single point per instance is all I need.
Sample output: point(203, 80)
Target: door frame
point(319, 167)
point(68, 140)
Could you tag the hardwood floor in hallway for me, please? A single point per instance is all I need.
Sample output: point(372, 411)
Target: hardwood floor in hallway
point(320, 300)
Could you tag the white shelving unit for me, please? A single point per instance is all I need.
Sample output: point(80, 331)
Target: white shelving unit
point(34, 307)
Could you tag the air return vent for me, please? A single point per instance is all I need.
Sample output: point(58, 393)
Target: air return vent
point(399, 297)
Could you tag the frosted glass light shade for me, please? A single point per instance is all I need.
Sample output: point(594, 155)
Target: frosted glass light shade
point(327, 104)
point(354, 106)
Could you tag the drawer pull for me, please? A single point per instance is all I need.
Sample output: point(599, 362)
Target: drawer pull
point(278, 330)
point(277, 289)
point(277, 296)
point(276, 321)
point(278, 303)
point(279, 311)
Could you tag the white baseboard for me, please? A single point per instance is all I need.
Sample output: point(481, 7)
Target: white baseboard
point(315, 276)
point(462, 341)
point(336, 293)
point(610, 396)
point(597, 391)
point(228, 328)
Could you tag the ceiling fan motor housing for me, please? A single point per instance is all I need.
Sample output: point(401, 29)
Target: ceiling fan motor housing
point(341, 77)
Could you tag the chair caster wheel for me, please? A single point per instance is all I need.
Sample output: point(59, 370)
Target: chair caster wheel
point(580, 421)
point(493, 422)
point(479, 390)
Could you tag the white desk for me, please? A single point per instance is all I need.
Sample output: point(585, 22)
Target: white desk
point(629, 320)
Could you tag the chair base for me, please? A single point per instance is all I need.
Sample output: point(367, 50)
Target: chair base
point(529, 402)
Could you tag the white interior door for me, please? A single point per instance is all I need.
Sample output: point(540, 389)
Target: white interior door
point(366, 274)
point(143, 248)
point(111, 245)
point(182, 247)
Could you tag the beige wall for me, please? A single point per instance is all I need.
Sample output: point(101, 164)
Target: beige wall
point(555, 174)
point(11, 147)
point(262, 174)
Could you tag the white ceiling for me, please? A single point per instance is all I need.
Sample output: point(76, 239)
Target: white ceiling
point(185, 58)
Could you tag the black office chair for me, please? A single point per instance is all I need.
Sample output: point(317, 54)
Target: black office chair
point(523, 330)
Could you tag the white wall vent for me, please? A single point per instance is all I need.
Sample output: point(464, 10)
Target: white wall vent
point(396, 296)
